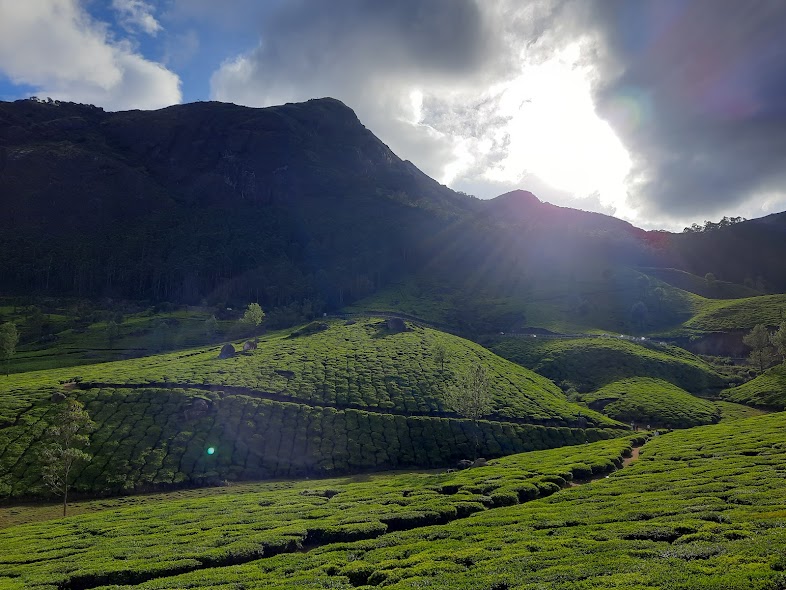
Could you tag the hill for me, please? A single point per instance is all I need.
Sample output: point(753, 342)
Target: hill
point(768, 390)
point(587, 364)
point(651, 402)
point(334, 398)
point(303, 209)
point(700, 508)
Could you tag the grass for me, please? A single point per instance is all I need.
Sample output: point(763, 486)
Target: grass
point(587, 364)
point(768, 390)
point(701, 509)
point(652, 402)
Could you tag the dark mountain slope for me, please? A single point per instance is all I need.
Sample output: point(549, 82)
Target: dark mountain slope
point(208, 199)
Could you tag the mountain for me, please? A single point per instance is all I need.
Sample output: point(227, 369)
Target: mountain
point(207, 200)
point(302, 208)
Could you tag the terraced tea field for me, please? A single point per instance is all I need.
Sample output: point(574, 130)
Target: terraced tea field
point(701, 508)
point(590, 363)
point(345, 399)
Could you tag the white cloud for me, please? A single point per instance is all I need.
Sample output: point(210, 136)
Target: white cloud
point(54, 46)
point(136, 14)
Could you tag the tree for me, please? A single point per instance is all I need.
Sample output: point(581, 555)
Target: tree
point(660, 297)
point(253, 315)
point(9, 338)
point(758, 340)
point(440, 355)
point(112, 332)
point(211, 327)
point(710, 279)
point(639, 313)
point(66, 437)
point(778, 340)
point(471, 398)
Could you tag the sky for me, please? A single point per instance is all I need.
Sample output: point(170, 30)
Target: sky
point(661, 112)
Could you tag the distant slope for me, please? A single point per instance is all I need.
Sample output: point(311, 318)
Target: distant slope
point(739, 314)
point(590, 363)
point(767, 390)
point(699, 285)
point(652, 402)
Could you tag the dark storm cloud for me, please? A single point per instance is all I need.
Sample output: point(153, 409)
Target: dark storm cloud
point(370, 55)
point(696, 91)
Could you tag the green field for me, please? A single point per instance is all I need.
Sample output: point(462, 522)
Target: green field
point(652, 402)
point(701, 509)
point(767, 390)
point(738, 314)
point(352, 397)
point(590, 363)
point(699, 285)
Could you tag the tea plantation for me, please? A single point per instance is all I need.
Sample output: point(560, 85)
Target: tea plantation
point(591, 363)
point(701, 508)
point(652, 402)
point(345, 399)
point(767, 390)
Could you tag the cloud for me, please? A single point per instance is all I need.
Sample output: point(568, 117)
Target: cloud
point(380, 59)
point(136, 14)
point(695, 91)
point(54, 46)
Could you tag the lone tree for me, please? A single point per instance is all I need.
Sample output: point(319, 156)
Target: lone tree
point(112, 333)
point(253, 315)
point(638, 314)
point(66, 438)
point(440, 355)
point(758, 340)
point(778, 340)
point(471, 398)
point(9, 338)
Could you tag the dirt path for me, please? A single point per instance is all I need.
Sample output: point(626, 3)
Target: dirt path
point(634, 456)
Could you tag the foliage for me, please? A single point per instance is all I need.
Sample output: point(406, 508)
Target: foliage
point(759, 342)
point(700, 509)
point(710, 226)
point(63, 448)
point(778, 340)
point(257, 521)
point(768, 390)
point(590, 363)
point(9, 338)
point(253, 315)
point(654, 402)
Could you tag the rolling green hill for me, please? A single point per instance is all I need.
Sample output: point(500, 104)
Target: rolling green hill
point(353, 396)
point(590, 363)
point(739, 314)
point(699, 509)
point(767, 390)
point(652, 402)
point(712, 289)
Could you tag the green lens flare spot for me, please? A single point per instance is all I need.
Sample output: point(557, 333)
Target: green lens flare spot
point(211, 450)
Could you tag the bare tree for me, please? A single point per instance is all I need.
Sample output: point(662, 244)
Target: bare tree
point(66, 438)
point(471, 398)
point(440, 355)
point(9, 338)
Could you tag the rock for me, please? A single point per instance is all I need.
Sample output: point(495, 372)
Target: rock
point(464, 464)
point(249, 345)
point(227, 351)
point(58, 397)
point(479, 462)
point(396, 325)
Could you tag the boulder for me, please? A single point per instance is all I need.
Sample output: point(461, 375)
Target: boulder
point(464, 464)
point(479, 462)
point(227, 351)
point(396, 325)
